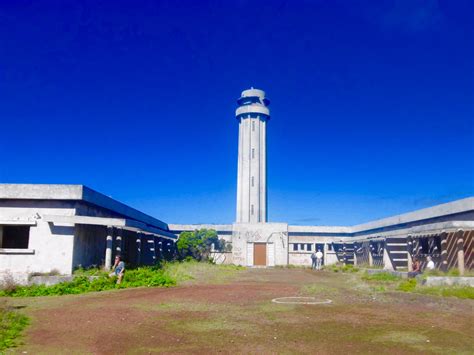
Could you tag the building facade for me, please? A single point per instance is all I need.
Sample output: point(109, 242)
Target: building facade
point(388, 242)
point(57, 228)
point(46, 228)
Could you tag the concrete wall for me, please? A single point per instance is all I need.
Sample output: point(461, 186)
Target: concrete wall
point(89, 245)
point(244, 235)
point(50, 247)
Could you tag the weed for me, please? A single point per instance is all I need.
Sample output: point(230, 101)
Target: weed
point(11, 325)
point(145, 276)
point(407, 285)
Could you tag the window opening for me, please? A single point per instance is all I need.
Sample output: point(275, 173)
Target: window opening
point(15, 237)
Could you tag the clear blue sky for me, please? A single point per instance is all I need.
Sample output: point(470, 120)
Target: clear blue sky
point(372, 103)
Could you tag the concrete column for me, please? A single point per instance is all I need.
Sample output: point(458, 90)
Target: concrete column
point(108, 248)
point(139, 248)
point(444, 252)
point(409, 252)
point(344, 253)
point(460, 251)
point(387, 263)
point(154, 248)
point(118, 241)
point(371, 259)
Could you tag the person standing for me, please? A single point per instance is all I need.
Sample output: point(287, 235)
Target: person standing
point(430, 265)
point(319, 259)
point(313, 259)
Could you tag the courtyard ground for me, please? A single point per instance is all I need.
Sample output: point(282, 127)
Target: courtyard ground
point(234, 313)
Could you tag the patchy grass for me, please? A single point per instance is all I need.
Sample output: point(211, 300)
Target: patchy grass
point(148, 276)
point(381, 277)
point(318, 290)
point(454, 291)
point(239, 317)
point(341, 268)
point(200, 271)
point(12, 324)
point(382, 282)
point(407, 285)
point(143, 276)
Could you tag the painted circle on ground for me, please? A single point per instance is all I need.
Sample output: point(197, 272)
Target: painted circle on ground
point(300, 300)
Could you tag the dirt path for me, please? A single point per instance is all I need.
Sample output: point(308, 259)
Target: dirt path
point(239, 317)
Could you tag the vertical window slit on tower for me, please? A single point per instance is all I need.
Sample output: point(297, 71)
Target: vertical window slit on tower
point(252, 181)
point(253, 126)
point(251, 209)
point(253, 153)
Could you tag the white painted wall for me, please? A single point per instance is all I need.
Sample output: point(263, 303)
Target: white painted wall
point(52, 247)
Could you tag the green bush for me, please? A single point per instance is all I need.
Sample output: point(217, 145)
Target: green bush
point(407, 285)
point(11, 325)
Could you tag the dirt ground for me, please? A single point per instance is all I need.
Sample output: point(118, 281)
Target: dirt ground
point(237, 316)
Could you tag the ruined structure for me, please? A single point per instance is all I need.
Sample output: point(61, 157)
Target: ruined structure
point(46, 228)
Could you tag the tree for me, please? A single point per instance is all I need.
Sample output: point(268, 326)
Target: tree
point(197, 244)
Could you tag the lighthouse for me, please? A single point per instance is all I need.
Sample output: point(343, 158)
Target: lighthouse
point(252, 115)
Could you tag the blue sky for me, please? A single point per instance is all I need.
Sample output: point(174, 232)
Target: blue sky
point(372, 103)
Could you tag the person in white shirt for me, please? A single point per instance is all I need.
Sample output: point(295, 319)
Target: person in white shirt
point(319, 259)
point(430, 265)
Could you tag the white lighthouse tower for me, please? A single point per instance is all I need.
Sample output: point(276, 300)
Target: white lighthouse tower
point(252, 114)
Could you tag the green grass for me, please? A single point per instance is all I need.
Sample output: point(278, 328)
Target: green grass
point(203, 271)
point(381, 277)
point(407, 285)
point(341, 268)
point(12, 324)
point(169, 274)
point(143, 276)
point(459, 291)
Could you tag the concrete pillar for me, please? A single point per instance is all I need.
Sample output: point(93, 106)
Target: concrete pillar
point(139, 248)
point(344, 253)
point(409, 253)
point(444, 252)
point(371, 258)
point(155, 258)
point(354, 254)
point(108, 248)
point(387, 263)
point(118, 241)
point(460, 250)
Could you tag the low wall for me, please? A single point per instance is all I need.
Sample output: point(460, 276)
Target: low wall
point(448, 281)
point(224, 258)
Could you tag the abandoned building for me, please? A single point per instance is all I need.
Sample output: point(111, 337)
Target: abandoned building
point(56, 228)
point(45, 228)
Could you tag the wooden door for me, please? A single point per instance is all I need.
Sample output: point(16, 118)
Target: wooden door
point(260, 254)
